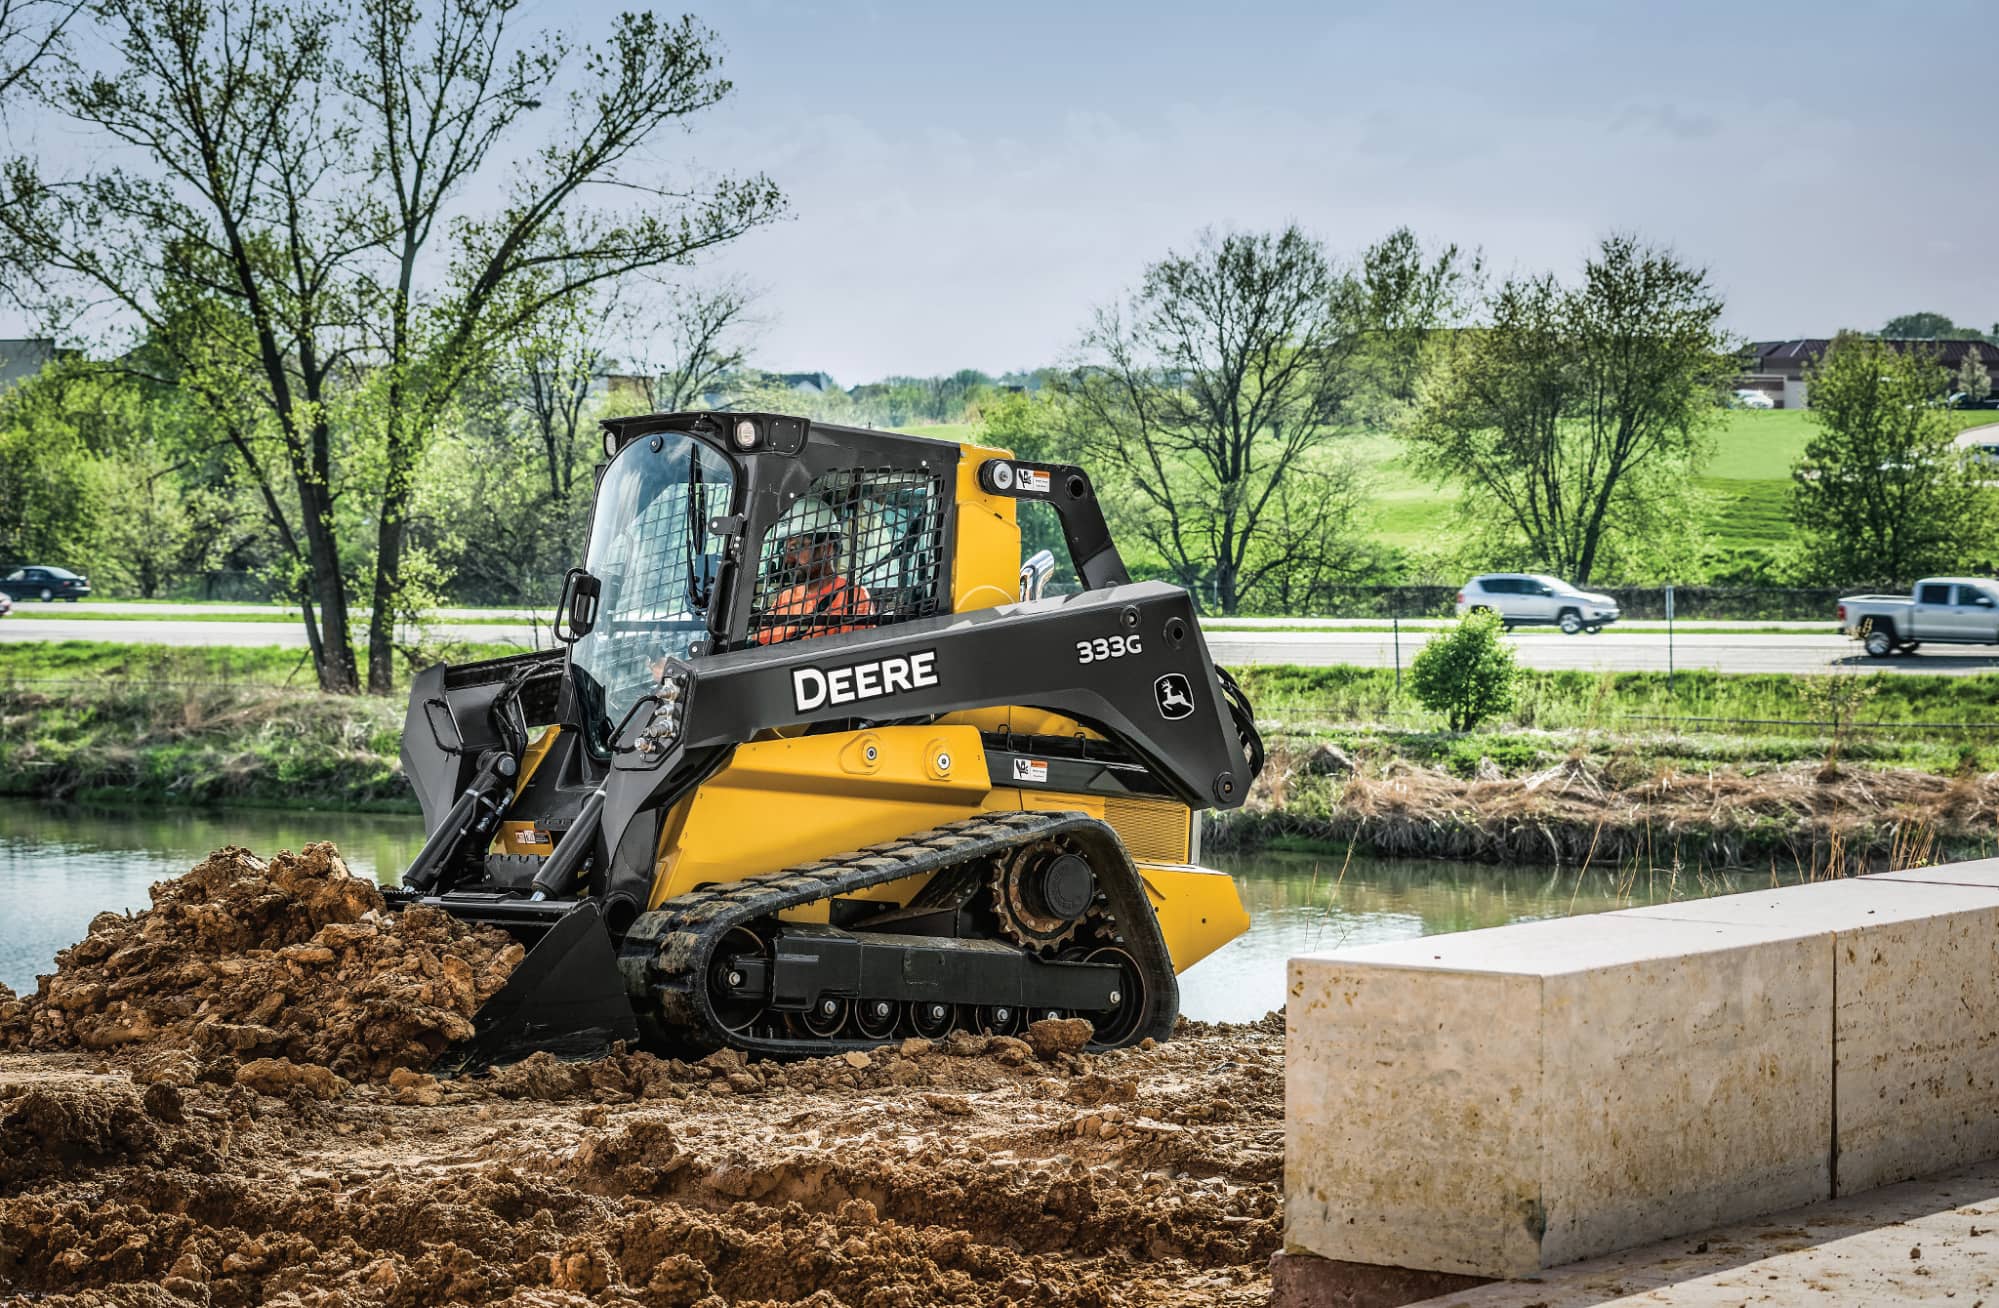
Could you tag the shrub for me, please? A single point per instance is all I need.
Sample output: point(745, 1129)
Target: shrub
point(1466, 674)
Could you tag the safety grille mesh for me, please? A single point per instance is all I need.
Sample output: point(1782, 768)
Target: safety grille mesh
point(862, 548)
point(1154, 830)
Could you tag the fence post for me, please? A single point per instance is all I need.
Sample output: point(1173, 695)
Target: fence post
point(1396, 619)
point(1669, 638)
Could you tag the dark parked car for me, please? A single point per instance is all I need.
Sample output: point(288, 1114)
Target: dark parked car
point(45, 584)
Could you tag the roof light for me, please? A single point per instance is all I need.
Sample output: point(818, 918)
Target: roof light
point(610, 444)
point(746, 434)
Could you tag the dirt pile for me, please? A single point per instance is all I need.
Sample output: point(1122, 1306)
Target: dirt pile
point(280, 966)
point(968, 1172)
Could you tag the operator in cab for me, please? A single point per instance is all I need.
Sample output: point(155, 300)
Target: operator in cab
point(816, 599)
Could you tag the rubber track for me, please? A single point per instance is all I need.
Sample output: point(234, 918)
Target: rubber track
point(666, 952)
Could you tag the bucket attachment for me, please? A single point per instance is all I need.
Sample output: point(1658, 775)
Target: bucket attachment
point(567, 997)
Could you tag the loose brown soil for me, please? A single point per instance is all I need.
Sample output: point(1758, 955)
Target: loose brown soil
point(295, 959)
point(971, 1173)
point(311, 1164)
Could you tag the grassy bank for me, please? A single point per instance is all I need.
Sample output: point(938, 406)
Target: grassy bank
point(154, 724)
point(243, 744)
point(1610, 768)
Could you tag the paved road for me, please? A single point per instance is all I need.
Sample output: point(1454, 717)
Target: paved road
point(165, 611)
point(1613, 651)
point(32, 625)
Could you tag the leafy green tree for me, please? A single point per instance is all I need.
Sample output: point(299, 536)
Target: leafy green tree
point(1571, 417)
point(1408, 298)
point(1468, 674)
point(1882, 494)
point(1925, 327)
point(1972, 378)
point(48, 482)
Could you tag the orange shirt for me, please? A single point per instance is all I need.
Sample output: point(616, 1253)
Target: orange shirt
point(822, 608)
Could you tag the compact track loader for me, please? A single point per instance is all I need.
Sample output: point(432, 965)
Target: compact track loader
point(820, 765)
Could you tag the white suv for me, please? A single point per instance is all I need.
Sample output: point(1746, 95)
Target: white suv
point(1523, 598)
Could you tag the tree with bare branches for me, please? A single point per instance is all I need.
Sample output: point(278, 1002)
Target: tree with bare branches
point(708, 331)
point(31, 35)
point(443, 89)
point(1217, 391)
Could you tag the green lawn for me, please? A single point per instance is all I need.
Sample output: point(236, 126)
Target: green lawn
point(1747, 480)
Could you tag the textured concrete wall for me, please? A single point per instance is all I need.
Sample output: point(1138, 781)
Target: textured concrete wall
point(1915, 1034)
point(1497, 1102)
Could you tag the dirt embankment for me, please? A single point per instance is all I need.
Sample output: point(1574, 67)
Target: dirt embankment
point(1810, 818)
point(309, 1163)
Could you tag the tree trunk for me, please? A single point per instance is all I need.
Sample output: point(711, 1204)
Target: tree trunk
point(388, 566)
point(335, 656)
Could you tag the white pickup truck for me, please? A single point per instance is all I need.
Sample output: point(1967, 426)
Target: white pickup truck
point(1941, 610)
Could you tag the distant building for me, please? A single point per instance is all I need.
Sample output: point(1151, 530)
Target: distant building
point(1777, 368)
point(22, 359)
point(816, 383)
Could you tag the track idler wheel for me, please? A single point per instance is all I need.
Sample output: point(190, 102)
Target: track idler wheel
point(1115, 1026)
point(930, 1019)
point(1041, 893)
point(732, 981)
point(874, 1019)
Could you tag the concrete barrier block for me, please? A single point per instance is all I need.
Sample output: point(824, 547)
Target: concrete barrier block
point(1495, 1102)
point(1977, 872)
point(1916, 1018)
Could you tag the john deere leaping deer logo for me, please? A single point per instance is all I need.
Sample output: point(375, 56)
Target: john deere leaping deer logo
point(1173, 695)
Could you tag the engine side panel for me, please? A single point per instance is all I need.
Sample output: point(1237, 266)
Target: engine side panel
point(783, 802)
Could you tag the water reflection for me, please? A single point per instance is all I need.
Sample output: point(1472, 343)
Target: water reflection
point(1306, 903)
point(60, 866)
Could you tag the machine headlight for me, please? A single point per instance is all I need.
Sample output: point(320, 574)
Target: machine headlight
point(746, 434)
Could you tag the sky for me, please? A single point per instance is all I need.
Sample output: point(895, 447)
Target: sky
point(967, 181)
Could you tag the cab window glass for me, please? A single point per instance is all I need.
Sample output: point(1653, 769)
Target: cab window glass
point(861, 548)
point(1933, 594)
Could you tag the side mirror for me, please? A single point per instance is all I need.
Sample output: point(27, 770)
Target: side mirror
point(1034, 575)
point(576, 611)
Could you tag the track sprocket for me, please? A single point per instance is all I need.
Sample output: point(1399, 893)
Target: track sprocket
point(1041, 893)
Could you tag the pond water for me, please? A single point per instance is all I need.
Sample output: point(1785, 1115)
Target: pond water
point(61, 866)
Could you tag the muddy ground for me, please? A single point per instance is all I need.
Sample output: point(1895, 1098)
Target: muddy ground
point(979, 1173)
point(217, 1102)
